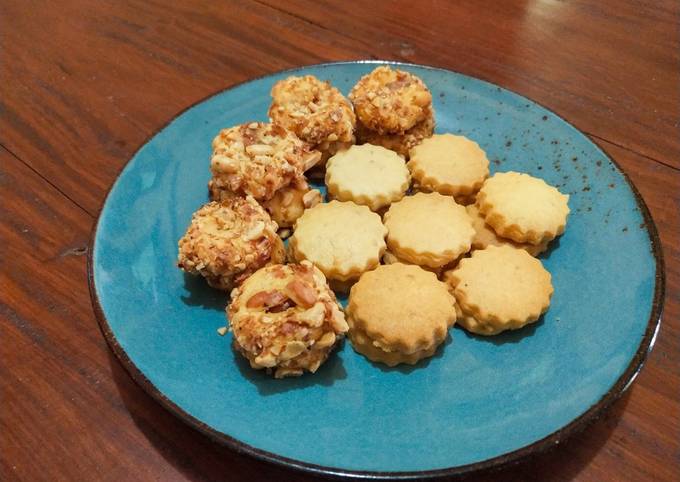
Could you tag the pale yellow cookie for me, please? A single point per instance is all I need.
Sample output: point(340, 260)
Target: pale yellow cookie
point(369, 175)
point(448, 164)
point(399, 313)
point(342, 239)
point(485, 236)
point(390, 101)
point(399, 143)
point(428, 229)
point(314, 110)
point(290, 202)
point(501, 286)
point(227, 241)
point(523, 208)
point(258, 159)
point(286, 319)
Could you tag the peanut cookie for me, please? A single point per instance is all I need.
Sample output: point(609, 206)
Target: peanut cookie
point(228, 241)
point(428, 229)
point(390, 101)
point(399, 313)
point(369, 175)
point(485, 236)
point(399, 143)
point(290, 202)
point(500, 288)
point(314, 110)
point(342, 239)
point(523, 208)
point(258, 159)
point(448, 164)
point(286, 319)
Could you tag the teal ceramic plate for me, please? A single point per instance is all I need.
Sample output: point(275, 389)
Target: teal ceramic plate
point(479, 402)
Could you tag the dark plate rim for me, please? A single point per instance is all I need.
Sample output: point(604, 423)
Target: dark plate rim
point(492, 464)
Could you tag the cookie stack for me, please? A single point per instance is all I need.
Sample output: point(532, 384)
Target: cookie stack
point(499, 288)
point(393, 108)
point(428, 229)
point(228, 241)
point(399, 314)
point(285, 318)
point(264, 161)
point(502, 286)
point(317, 113)
point(417, 244)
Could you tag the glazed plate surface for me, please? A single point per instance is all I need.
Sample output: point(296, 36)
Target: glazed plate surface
point(479, 402)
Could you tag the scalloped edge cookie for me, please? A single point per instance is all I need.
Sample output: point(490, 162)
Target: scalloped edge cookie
point(322, 237)
point(485, 236)
point(449, 164)
point(501, 286)
point(399, 313)
point(368, 175)
point(428, 229)
point(523, 208)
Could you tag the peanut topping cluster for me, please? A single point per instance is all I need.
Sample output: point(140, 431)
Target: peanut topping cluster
point(290, 202)
point(285, 318)
point(391, 101)
point(228, 241)
point(258, 159)
point(314, 110)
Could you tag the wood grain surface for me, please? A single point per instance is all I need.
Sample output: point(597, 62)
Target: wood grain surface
point(83, 84)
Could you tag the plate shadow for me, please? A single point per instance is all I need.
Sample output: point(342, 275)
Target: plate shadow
point(199, 293)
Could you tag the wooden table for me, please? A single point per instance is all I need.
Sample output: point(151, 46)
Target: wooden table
point(83, 84)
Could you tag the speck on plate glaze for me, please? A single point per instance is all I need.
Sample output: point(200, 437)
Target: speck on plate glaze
point(479, 402)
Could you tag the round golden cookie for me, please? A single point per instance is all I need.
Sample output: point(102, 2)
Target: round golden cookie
point(342, 239)
point(501, 286)
point(228, 241)
point(399, 143)
point(428, 229)
point(390, 101)
point(290, 202)
point(286, 319)
point(258, 159)
point(314, 110)
point(523, 208)
point(399, 313)
point(368, 175)
point(448, 164)
point(485, 236)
